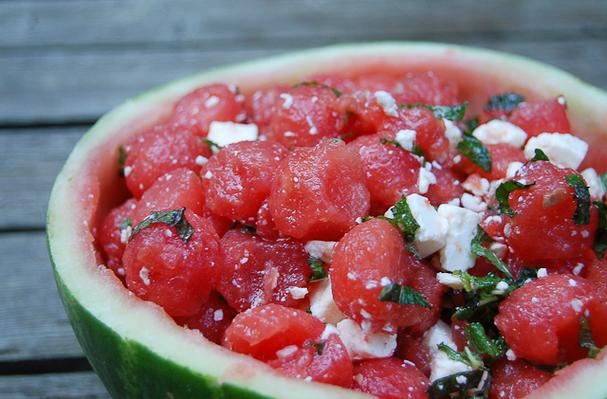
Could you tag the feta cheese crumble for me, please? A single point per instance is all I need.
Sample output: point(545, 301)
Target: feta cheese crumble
point(497, 131)
point(361, 345)
point(440, 364)
point(595, 185)
point(406, 139)
point(322, 304)
point(425, 179)
point(452, 133)
point(461, 228)
point(431, 235)
point(224, 133)
point(563, 149)
point(387, 102)
point(298, 292)
point(322, 250)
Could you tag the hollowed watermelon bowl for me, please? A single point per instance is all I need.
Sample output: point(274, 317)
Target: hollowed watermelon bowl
point(134, 347)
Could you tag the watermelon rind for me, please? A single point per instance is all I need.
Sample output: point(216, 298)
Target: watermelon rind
point(134, 347)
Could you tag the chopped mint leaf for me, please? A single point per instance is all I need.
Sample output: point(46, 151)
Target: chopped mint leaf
point(474, 283)
point(582, 197)
point(480, 250)
point(415, 150)
point(503, 192)
point(505, 102)
point(320, 346)
point(175, 218)
point(403, 295)
point(212, 144)
point(473, 384)
point(603, 179)
point(472, 124)
point(121, 157)
point(475, 151)
point(524, 275)
point(315, 83)
point(600, 239)
point(586, 341)
point(480, 341)
point(125, 223)
point(318, 271)
point(539, 156)
point(453, 113)
point(467, 356)
point(404, 219)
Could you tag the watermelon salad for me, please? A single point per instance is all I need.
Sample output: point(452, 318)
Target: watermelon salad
point(370, 232)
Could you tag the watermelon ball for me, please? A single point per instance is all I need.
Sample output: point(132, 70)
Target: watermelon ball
point(304, 115)
point(515, 380)
point(177, 275)
point(597, 273)
point(158, 151)
point(180, 188)
point(264, 224)
point(502, 155)
point(212, 319)
point(262, 331)
point(391, 172)
point(369, 257)
point(114, 233)
point(216, 102)
point(256, 271)
point(541, 320)
point(319, 192)
point(261, 105)
point(423, 280)
point(364, 114)
point(390, 378)
point(428, 88)
point(545, 212)
point(447, 186)
point(430, 131)
point(326, 361)
point(414, 348)
point(540, 117)
point(239, 178)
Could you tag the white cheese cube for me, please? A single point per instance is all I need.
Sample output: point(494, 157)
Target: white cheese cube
point(461, 229)
point(224, 133)
point(452, 133)
point(406, 139)
point(322, 304)
point(322, 250)
point(513, 167)
point(425, 179)
point(450, 280)
point(497, 131)
point(440, 364)
point(564, 150)
point(430, 237)
point(361, 345)
point(595, 185)
point(473, 203)
point(387, 102)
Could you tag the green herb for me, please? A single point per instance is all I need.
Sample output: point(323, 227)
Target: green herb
point(524, 276)
point(475, 151)
point(453, 113)
point(320, 346)
point(121, 157)
point(175, 218)
point(318, 271)
point(539, 156)
point(603, 179)
point(586, 340)
point(212, 144)
point(474, 385)
point(403, 295)
point(467, 356)
point(404, 219)
point(318, 84)
point(503, 192)
point(582, 197)
point(480, 250)
point(415, 149)
point(480, 341)
point(125, 223)
point(474, 283)
point(472, 124)
point(505, 102)
point(600, 238)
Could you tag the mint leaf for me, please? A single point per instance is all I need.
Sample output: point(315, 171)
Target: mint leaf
point(318, 271)
point(121, 157)
point(480, 341)
point(403, 295)
point(453, 113)
point(600, 239)
point(415, 150)
point(212, 144)
point(503, 192)
point(475, 151)
point(582, 197)
point(315, 83)
point(404, 219)
point(125, 223)
point(586, 341)
point(474, 283)
point(175, 218)
point(479, 250)
point(603, 178)
point(473, 384)
point(539, 156)
point(505, 102)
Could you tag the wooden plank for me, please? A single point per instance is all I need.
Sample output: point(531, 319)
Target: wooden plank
point(212, 24)
point(34, 325)
point(30, 159)
point(57, 386)
point(83, 86)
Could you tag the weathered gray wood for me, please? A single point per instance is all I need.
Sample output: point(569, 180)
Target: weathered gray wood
point(82, 385)
point(68, 87)
point(30, 159)
point(34, 325)
point(213, 24)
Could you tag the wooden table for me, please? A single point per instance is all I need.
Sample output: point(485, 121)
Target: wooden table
point(64, 63)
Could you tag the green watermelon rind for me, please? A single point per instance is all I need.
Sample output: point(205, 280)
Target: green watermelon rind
point(136, 350)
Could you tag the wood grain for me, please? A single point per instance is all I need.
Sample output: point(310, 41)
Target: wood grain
point(82, 385)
